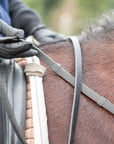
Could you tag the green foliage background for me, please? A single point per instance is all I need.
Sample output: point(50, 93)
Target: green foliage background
point(69, 16)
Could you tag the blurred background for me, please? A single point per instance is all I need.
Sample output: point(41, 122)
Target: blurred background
point(69, 16)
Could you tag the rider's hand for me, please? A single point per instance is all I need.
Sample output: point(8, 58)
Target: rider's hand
point(11, 46)
point(43, 35)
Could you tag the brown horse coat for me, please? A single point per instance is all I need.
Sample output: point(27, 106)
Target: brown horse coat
point(95, 125)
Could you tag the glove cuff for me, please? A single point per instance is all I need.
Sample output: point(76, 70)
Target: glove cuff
point(40, 26)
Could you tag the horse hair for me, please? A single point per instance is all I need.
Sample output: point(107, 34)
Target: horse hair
point(103, 29)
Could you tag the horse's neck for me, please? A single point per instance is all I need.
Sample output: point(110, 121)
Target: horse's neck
point(97, 66)
point(98, 58)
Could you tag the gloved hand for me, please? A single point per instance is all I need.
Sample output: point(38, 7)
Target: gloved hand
point(11, 46)
point(45, 35)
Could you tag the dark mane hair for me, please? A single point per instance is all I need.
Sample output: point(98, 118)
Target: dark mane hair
point(103, 29)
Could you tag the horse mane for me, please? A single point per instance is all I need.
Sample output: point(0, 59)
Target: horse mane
point(102, 29)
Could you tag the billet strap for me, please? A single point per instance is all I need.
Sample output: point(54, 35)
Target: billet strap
point(77, 90)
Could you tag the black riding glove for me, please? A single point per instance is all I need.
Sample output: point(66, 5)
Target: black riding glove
point(11, 46)
point(43, 35)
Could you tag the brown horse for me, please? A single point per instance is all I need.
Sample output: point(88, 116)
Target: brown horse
point(95, 125)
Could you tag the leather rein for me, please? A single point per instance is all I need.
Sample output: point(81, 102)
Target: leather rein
point(79, 87)
point(77, 90)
